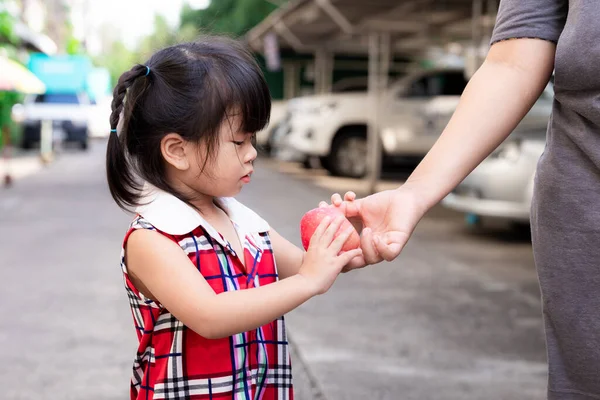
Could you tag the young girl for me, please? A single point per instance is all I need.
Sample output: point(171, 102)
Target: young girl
point(208, 280)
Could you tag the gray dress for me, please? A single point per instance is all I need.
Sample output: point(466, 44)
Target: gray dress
point(566, 204)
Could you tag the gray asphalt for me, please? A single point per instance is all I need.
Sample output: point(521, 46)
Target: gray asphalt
point(457, 316)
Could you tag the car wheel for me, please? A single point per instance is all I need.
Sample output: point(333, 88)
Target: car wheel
point(348, 155)
point(83, 145)
point(324, 161)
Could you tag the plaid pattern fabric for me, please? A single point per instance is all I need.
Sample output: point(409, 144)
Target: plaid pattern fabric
point(173, 362)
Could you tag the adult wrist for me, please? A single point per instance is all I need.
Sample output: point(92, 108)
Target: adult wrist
point(418, 196)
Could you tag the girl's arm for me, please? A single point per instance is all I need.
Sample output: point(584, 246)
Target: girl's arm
point(288, 256)
point(159, 266)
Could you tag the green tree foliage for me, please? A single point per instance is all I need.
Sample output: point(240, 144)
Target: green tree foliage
point(6, 26)
point(232, 17)
point(117, 59)
point(8, 40)
point(163, 36)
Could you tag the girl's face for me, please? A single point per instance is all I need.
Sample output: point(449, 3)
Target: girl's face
point(229, 169)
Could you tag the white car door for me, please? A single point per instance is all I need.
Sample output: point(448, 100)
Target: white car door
point(421, 111)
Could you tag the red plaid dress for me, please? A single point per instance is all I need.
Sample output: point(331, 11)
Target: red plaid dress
point(174, 362)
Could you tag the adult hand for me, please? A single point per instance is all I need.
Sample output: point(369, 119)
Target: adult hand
point(387, 218)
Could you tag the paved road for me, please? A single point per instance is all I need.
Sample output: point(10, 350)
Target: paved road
point(455, 317)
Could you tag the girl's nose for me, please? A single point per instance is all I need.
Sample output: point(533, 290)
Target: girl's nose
point(251, 155)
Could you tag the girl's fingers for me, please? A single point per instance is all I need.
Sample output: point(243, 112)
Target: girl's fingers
point(349, 196)
point(348, 256)
point(339, 241)
point(318, 233)
point(356, 262)
point(329, 233)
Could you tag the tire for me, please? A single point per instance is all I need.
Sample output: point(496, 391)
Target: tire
point(311, 162)
point(83, 145)
point(306, 163)
point(348, 155)
point(324, 162)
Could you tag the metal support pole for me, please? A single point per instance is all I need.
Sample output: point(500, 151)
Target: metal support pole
point(379, 64)
point(46, 141)
point(290, 79)
point(373, 122)
point(317, 71)
point(323, 71)
point(328, 72)
point(7, 154)
point(477, 31)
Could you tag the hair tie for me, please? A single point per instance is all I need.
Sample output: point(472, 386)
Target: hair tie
point(148, 70)
point(113, 131)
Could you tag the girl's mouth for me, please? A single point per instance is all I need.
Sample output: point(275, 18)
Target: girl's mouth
point(246, 178)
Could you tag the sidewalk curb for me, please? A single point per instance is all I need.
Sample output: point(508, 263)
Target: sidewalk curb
point(304, 378)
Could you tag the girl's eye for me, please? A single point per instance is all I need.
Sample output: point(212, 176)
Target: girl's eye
point(239, 143)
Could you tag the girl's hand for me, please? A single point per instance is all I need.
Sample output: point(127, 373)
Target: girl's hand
point(323, 260)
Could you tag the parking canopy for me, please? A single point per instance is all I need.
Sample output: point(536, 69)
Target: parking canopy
point(343, 26)
point(381, 29)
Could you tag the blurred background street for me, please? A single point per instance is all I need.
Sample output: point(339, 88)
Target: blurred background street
point(361, 90)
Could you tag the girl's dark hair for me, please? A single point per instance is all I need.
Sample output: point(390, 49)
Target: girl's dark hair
point(190, 89)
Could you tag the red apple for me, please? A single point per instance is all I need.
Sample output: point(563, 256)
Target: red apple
point(311, 220)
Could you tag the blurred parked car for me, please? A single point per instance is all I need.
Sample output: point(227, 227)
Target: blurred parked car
point(69, 113)
point(333, 127)
point(415, 111)
point(414, 129)
point(264, 137)
point(502, 185)
point(346, 88)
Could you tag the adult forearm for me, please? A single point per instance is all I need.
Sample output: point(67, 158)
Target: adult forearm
point(496, 99)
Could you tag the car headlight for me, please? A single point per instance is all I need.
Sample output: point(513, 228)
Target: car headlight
point(394, 138)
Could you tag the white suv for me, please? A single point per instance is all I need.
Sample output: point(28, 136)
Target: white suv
point(415, 110)
point(69, 113)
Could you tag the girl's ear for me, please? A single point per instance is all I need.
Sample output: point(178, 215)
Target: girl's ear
point(175, 150)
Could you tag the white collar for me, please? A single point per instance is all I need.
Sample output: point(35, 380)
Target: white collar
point(169, 214)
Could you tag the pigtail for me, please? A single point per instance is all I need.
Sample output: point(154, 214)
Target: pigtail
point(120, 174)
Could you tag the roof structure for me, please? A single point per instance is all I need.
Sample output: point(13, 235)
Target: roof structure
point(343, 26)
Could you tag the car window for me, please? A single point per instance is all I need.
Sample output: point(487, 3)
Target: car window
point(351, 88)
point(419, 88)
point(440, 84)
point(350, 85)
point(452, 83)
point(57, 98)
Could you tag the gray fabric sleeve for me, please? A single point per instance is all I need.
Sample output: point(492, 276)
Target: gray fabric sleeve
point(540, 19)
